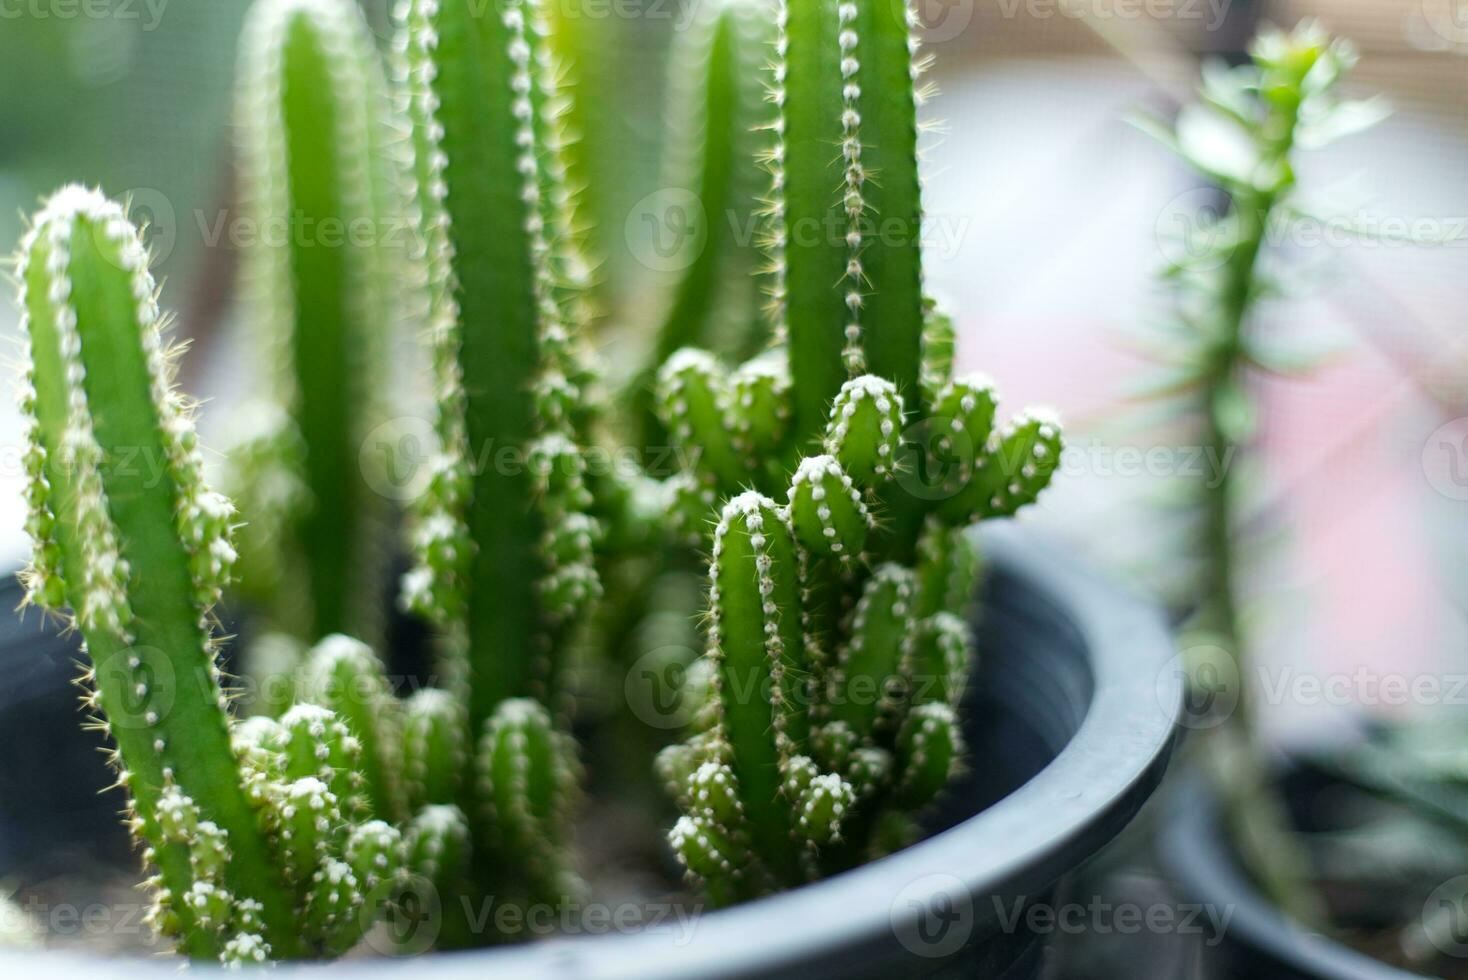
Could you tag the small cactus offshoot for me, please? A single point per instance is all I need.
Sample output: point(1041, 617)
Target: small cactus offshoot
point(842, 567)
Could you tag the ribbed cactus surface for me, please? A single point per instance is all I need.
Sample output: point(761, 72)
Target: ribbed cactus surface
point(504, 539)
point(833, 478)
point(250, 829)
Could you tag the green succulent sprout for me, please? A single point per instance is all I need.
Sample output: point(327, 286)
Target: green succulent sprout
point(1243, 136)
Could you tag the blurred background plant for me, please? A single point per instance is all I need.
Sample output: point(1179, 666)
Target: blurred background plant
point(1243, 135)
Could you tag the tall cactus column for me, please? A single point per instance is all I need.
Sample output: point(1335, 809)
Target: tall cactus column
point(880, 69)
point(846, 206)
point(318, 180)
point(719, 108)
point(140, 565)
point(504, 542)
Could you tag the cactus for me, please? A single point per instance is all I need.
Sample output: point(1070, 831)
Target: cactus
point(345, 676)
point(838, 587)
point(504, 539)
point(711, 196)
point(252, 850)
point(324, 192)
point(719, 108)
point(844, 77)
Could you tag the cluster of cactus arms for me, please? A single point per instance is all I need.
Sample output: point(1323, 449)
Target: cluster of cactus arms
point(505, 536)
point(267, 839)
point(840, 576)
point(325, 285)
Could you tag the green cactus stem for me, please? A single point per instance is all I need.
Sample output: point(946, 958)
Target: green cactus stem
point(757, 643)
point(881, 630)
point(865, 428)
point(434, 748)
point(827, 510)
point(139, 565)
point(849, 300)
point(344, 675)
point(948, 567)
point(322, 187)
point(720, 106)
point(504, 537)
point(696, 405)
point(808, 208)
point(880, 66)
point(928, 747)
point(260, 833)
point(437, 843)
point(527, 783)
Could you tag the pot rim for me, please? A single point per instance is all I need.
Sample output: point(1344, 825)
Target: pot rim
point(1195, 851)
point(1016, 848)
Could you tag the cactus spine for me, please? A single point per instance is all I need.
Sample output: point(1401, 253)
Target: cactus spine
point(838, 589)
point(504, 541)
point(323, 191)
point(253, 829)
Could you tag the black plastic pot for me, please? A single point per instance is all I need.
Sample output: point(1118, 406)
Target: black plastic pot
point(1259, 941)
point(1070, 723)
